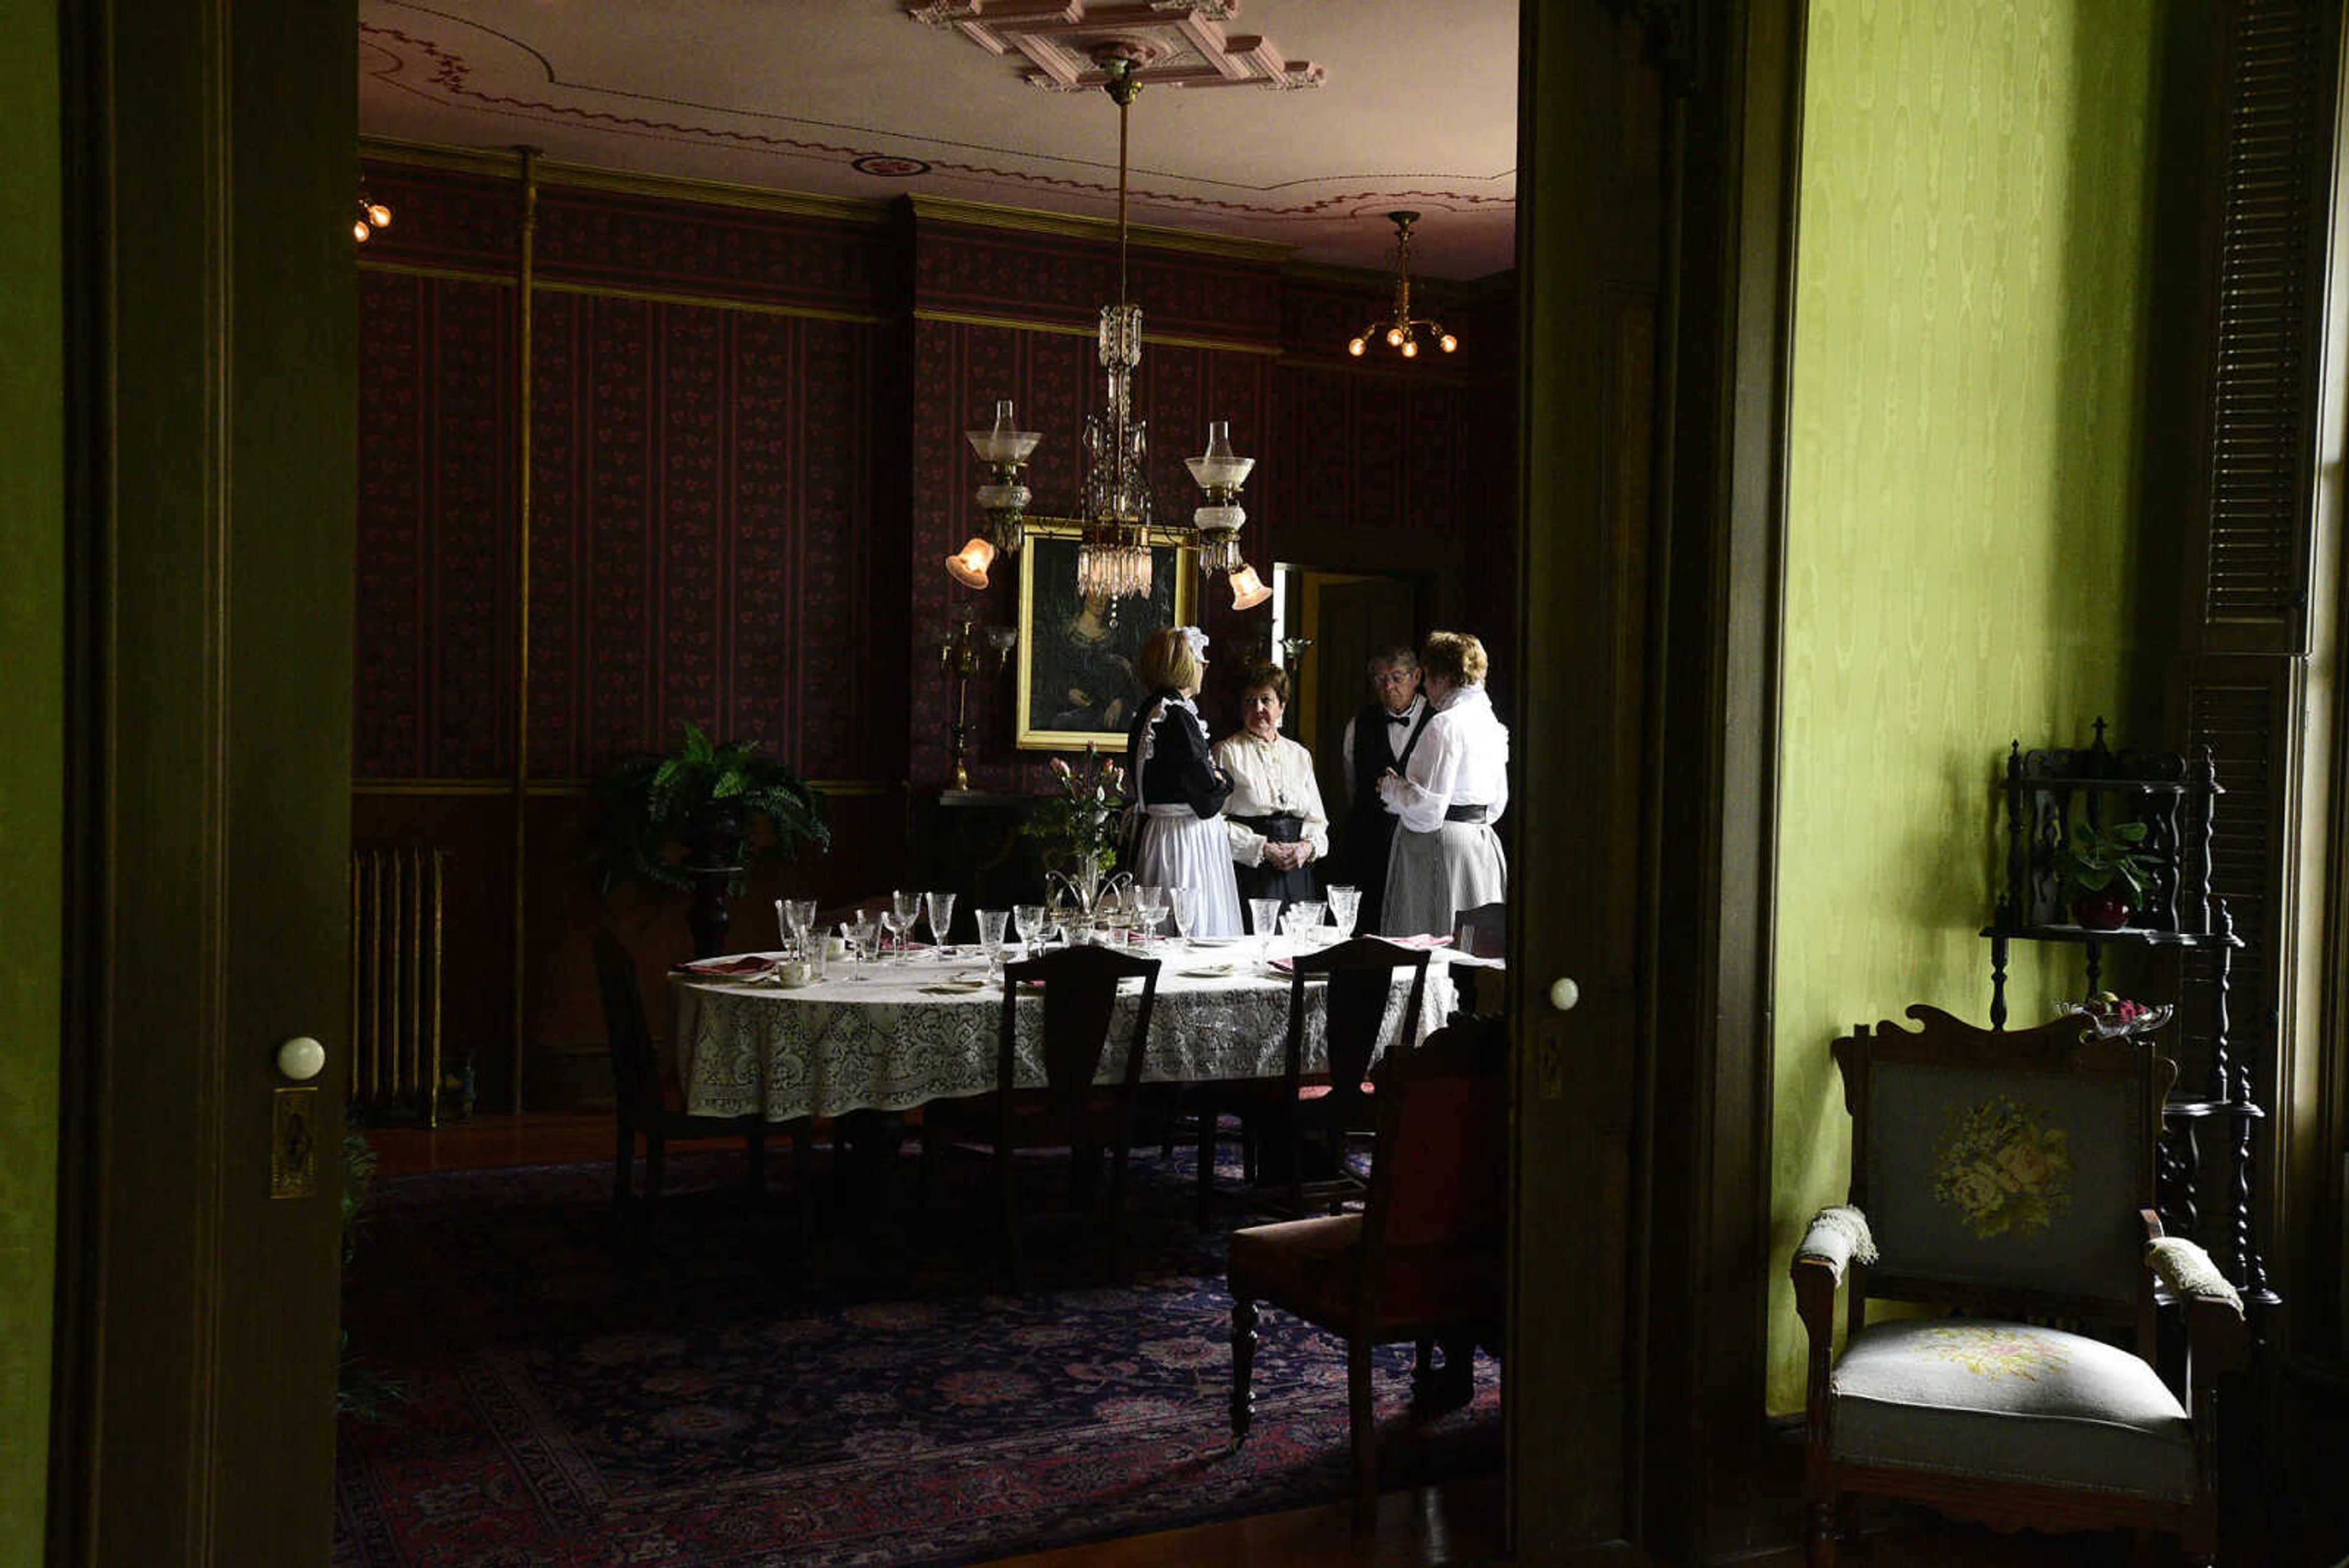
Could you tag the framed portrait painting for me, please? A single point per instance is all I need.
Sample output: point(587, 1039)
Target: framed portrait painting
point(1077, 687)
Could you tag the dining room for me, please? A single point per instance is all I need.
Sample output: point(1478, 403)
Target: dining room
point(681, 431)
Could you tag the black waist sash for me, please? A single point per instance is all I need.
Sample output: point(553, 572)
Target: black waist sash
point(1467, 813)
point(1281, 826)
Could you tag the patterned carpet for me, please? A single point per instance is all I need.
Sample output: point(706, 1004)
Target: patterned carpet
point(869, 1399)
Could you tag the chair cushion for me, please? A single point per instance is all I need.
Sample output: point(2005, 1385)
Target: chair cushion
point(1312, 1268)
point(2009, 1401)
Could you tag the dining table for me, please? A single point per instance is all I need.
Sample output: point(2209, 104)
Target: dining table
point(896, 1032)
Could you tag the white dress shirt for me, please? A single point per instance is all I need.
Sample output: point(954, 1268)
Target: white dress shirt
point(1270, 778)
point(1398, 734)
point(1462, 759)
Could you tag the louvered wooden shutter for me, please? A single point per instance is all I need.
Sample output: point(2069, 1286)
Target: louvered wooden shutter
point(2245, 622)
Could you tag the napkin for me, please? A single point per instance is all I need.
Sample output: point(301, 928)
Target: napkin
point(731, 964)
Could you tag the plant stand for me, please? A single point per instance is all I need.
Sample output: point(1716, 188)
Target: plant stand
point(2184, 924)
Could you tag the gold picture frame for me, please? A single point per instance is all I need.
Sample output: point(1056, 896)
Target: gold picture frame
point(1077, 685)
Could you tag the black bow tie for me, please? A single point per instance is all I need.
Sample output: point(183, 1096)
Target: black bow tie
point(1402, 717)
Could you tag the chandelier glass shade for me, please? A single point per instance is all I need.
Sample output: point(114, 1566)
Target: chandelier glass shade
point(1117, 523)
point(1399, 330)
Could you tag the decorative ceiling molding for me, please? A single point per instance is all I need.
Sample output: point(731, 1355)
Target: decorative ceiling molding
point(1179, 43)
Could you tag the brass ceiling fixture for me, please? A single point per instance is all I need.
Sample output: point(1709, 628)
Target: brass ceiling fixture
point(373, 215)
point(1399, 330)
point(1117, 526)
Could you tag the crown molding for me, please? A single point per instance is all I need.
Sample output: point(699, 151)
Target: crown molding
point(1069, 225)
point(551, 172)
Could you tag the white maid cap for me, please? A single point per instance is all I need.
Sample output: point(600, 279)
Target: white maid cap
point(1195, 638)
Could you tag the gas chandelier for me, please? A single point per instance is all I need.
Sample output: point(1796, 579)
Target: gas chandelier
point(1116, 524)
point(1400, 330)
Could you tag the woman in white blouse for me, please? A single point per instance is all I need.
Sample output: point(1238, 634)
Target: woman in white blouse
point(1274, 817)
point(1447, 859)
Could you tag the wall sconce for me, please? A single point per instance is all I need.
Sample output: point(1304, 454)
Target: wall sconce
point(964, 654)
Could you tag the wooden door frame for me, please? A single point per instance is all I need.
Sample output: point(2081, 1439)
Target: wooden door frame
point(1701, 1471)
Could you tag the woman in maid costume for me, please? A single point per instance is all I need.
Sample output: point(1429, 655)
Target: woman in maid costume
point(1181, 839)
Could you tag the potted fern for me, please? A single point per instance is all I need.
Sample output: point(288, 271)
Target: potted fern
point(2106, 872)
point(698, 816)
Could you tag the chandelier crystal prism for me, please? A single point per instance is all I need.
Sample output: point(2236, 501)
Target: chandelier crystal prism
point(1117, 526)
point(1399, 330)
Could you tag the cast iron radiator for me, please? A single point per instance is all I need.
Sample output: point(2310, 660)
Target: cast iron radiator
point(396, 926)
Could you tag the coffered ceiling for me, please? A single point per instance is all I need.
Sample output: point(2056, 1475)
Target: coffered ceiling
point(1302, 122)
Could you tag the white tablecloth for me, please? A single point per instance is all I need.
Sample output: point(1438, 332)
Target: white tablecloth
point(886, 1042)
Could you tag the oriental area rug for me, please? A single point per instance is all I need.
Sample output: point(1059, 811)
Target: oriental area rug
point(872, 1395)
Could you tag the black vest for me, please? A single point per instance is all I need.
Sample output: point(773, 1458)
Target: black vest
point(1370, 826)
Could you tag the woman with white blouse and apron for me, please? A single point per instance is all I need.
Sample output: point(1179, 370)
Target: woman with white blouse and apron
point(1277, 825)
point(1447, 859)
point(1180, 838)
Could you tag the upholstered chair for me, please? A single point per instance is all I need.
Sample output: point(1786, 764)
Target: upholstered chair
point(2005, 1183)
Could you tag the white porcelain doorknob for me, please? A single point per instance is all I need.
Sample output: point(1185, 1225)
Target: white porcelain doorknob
point(301, 1058)
point(1564, 993)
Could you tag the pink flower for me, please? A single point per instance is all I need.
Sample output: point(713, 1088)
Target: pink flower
point(1060, 768)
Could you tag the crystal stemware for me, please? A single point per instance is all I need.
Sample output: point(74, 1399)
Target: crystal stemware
point(1345, 906)
point(860, 934)
point(1263, 914)
point(907, 905)
point(940, 909)
point(1032, 924)
point(1149, 906)
point(990, 939)
point(1183, 905)
point(1301, 919)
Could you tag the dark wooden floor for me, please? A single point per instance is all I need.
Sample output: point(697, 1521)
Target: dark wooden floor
point(1456, 1524)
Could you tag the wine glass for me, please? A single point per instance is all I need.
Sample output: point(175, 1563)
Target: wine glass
point(1182, 904)
point(1149, 908)
point(1300, 920)
point(940, 908)
point(1032, 924)
point(1345, 906)
point(990, 939)
point(907, 905)
point(860, 934)
point(799, 924)
point(1263, 914)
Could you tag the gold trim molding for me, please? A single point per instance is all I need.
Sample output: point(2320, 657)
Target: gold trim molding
point(546, 788)
point(507, 165)
point(1073, 329)
point(1070, 225)
point(620, 291)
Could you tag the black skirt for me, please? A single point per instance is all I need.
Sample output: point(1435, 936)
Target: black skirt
point(1268, 881)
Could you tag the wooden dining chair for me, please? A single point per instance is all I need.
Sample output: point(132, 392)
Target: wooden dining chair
point(1420, 1261)
point(647, 1108)
point(1286, 1113)
point(1079, 987)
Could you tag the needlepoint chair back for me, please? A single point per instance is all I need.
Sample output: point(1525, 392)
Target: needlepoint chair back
point(2005, 1169)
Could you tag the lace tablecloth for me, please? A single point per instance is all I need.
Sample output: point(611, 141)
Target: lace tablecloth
point(895, 1040)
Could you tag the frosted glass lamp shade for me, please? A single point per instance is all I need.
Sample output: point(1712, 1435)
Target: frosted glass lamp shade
point(1247, 589)
point(968, 564)
point(1003, 442)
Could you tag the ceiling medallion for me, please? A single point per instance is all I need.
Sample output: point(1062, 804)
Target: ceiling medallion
point(1182, 43)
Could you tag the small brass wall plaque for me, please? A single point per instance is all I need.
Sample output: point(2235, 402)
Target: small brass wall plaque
point(294, 1149)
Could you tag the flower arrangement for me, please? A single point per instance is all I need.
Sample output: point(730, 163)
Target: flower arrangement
point(2110, 1017)
point(1076, 828)
point(2000, 1169)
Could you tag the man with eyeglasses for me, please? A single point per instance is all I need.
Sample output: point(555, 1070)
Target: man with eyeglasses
point(1378, 738)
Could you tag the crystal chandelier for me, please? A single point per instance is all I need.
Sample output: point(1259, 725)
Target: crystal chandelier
point(1117, 527)
point(1399, 329)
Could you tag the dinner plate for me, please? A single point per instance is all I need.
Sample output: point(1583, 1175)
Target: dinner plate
point(954, 987)
point(1218, 941)
point(1208, 971)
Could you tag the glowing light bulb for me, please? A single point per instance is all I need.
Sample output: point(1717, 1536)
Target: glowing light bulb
point(1394, 336)
point(1355, 347)
point(360, 230)
point(1450, 343)
point(379, 214)
point(1411, 349)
